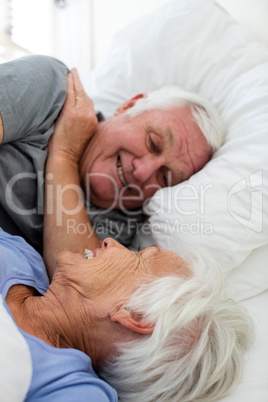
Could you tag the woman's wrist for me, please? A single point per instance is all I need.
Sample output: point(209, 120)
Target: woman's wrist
point(63, 158)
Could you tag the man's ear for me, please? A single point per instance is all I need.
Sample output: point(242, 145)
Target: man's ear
point(134, 321)
point(128, 104)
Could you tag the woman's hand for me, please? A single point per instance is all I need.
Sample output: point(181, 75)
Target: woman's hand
point(76, 123)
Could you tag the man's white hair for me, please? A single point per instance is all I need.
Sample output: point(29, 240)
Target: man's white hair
point(203, 111)
point(197, 348)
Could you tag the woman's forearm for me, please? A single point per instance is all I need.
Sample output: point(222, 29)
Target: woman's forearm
point(63, 194)
point(66, 222)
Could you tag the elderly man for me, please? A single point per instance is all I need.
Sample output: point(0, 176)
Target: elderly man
point(128, 158)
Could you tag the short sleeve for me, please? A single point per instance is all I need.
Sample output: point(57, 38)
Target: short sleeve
point(32, 92)
point(82, 393)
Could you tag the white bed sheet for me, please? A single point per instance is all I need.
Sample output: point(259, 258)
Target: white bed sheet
point(253, 384)
point(15, 360)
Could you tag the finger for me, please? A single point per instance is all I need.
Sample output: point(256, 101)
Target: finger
point(70, 94)
point(78, 87)
point(81, 97)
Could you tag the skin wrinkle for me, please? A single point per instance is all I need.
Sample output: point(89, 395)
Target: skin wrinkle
point(180, 172)
point(139, 266)
point(170, 136)
point(178, 265)
point(192, 163)
point(116, 282)
point(60, 339)
point(43, 329)
point(64, 310)
point(168, 143)
point(146, 257)
point(168, 139)
point(67, 336)
point(187, 147)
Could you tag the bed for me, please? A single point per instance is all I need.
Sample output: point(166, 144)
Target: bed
point(223, 208)
point(197, 45)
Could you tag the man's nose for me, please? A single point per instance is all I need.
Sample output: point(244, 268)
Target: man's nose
point(146, 167)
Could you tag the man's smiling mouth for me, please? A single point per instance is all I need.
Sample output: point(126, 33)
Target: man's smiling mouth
point(120, 172)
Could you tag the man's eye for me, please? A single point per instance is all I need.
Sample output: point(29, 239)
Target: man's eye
point(162, 178)
point(165, 180)
point(152, 144)
point(153, 147)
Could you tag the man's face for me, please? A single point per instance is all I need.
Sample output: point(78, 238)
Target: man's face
point(130, 158)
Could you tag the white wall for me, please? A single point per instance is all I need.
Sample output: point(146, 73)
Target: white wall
point(3, 16)
point(81, 33)
point(33, 24)
point(73, 35)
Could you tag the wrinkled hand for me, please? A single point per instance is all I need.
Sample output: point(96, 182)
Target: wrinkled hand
point(76, 123)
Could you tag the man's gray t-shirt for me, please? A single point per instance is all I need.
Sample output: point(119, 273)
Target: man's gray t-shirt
point(32, 93)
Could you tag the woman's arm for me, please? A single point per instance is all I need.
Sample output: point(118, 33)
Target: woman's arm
point(66, 222)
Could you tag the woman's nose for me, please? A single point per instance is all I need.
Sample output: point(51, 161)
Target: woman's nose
point(109, 242)
point(145, 167)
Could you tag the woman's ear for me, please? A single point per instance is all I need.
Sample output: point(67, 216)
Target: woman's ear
point(128, 104)
point(132, 320)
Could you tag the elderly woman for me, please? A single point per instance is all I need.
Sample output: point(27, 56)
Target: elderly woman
point(154, 326)
point(151, 142)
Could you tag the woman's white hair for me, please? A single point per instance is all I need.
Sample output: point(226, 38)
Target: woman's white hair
point(203, 111)
point(197, 348)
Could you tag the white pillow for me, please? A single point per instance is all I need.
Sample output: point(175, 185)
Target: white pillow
point(15, 360)
point(196, 45)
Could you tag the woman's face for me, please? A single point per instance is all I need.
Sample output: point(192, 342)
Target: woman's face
point(115, 272)
point(104, 285)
